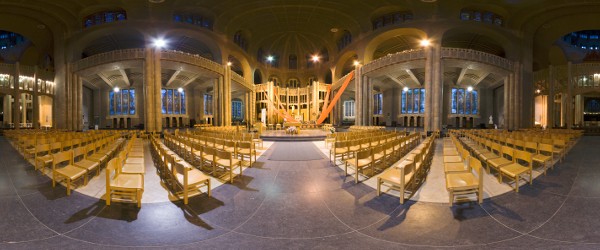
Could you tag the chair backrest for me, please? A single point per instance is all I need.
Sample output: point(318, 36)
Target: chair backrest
point(41, 148)
point(531, 146)
point(508, 151)
point(112, 170)
point(79, 151)
point(245, 144)
point(62, 157)
point(222, 154)
point(475, 164)
point(547, 149)
point(364, 154)
point(523, 156)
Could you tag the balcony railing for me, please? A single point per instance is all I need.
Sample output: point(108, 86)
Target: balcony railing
point(193, 59)
point(109, 57)
point(477, 56)
point(235, 77)
point(400, 57)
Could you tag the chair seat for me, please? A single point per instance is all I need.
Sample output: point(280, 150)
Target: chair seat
point(452, 158)
point(134, 160)
point(87, 164)
point(225, 162)
point(127, 181)
point(98, 157)
point(46, 159)
point(135, 155)
point(133, 168)
point(541, 158)
point(71, 171)
point(360, 163)
point(195, 176)
point(513, 169)
point(499, 162)
point(393, 175)
point(488, 156)
point(461, 181)
point(244, 151)
point(454, 167)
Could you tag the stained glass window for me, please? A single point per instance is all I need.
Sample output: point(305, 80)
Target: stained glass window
point(464, 102)
point(460, 101)
point(416, 97)
point(409, 102)
point(176, 103)
point(104, 17)
point(453, 109)
point(118, 103)
point(111, 103)
point(474, 99)
point(413, 101)
point(403, 103)
point(236, 110)
point(183, 103)
point(125, 97)
point(208, 106)
point(468, 103)
point(422, 109)
point(169, 101)
point(132, 101)
point(163, 93)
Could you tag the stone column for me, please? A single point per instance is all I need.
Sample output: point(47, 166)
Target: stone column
point(438, 88)
point(17, 98)
point(429, 58)
point(7, 109)
point(550, 99)
point(358, 97)
point(227, 96)
point(518, 85)
point(578, 110)
point(506, 116)
point(156, 95)
point(35, 117)
point(79, 103)
point(149, 85)
point(569, 104)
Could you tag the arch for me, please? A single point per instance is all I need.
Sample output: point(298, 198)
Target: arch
point(480, 38)
point(328, 77)
point(348, 56)
point(243, 63)
point(236, 65)
point(386, 35)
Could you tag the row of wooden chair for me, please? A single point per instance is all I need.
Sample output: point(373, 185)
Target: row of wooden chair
point(183, 179)
point(463, 172)
point(406, 175)
point(125, 174)
point(348, 148)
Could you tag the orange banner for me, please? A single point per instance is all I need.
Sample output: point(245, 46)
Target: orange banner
point(337, 96)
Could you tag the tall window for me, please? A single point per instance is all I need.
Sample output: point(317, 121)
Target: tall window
point(481, 16)
point(10, 39)
point(104, 17)
point(237, 113)
point(345, 40)
point(392, 19)
point(378, 104)
point(240, 40)
point(121, 102)
point(173, 101)
point(293, 62)
point(349, 109)
point(293, 83)
point(464, 102)
point(413, 101)
point(208, 104)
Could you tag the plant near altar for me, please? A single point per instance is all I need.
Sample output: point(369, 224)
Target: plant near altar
point(332, 130)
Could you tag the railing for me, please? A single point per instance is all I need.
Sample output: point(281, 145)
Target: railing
point(235, 77)
point(400, 57)
point(193, 59)
point(477, 56)
point(109, 57)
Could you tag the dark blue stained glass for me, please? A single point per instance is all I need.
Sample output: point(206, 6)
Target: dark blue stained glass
point(453, 108)
point(177, 103)
point(109, 17)
point(111, 103)
point(89, 22)
point(475, 102)
point(409, 102)
point(468, 103)
point(183, 103)
point(169, 101)
point(118, 101)
point(189, 19)
point(163, 93)
point(177, 18)
point(403, 104)
point(132, 101)
point(422, 109)
point(99, 19)
point(121, 16)
point(125, 94)
point(416, 105)
point(460, 101)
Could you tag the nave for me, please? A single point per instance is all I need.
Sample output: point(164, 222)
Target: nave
point(304, 204)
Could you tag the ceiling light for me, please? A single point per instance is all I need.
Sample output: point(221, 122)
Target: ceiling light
point(425, 42)
point(116, 89)
point(160, 43)
point(270, 58)
point(405, 89)
point(469, 88)
point(156, 1)
point(334, 30)
point(228, 63)
point(356, 63)
point(315, 58)
point(180, 90)
point(538, 91)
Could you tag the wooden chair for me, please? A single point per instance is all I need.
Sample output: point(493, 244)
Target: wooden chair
point(399, 178)
point(228, 162)
point(339, 148)
point(544, 155)
point(80, 160)
point(522, 165)
point(68, 172)
point(42, 155)
point(461, 183)
point(125, 187)
point(246, 149)
point(362, 160)
point(190, 180)
point(502, 161)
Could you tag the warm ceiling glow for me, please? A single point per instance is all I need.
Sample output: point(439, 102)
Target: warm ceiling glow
point(538, 91)
point(116, 89)
point(315, 58)
point(425, 42)
point(228, 63)
point(356, 63)
point(180, 90)
point(160, 43)
point(270, 58)
point(405, 89)
point(469, 88)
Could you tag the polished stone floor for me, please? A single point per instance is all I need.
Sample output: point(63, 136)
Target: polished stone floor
point(304, 204)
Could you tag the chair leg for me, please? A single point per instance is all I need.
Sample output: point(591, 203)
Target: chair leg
point(68, 186)
point(139, 198)
point(185, 195)
point(208, 185)
point(378, 186)
point(450, 197)
point(107, 197)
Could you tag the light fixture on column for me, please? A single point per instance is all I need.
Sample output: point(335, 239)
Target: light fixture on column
point(315, 58)
point(159, 43)
point(228, 63)
point(425, 43)
point(469, 88)
point(116, 89)
point(538, 91)
point(180, 90)
point(356, 63)
point(405, 89)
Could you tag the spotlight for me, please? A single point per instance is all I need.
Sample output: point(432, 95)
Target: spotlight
point(405, 89)
point(315, 58)
point(180, 90)
point(270, 58)
point(469, 88)
point(160, 43)
point(228, 63)
point(116, 89)
point(356, 63)
point(538, 91)
point(425, 43)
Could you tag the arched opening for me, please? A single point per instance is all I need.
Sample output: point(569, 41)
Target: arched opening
point(257, 76)
point(236, 65)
